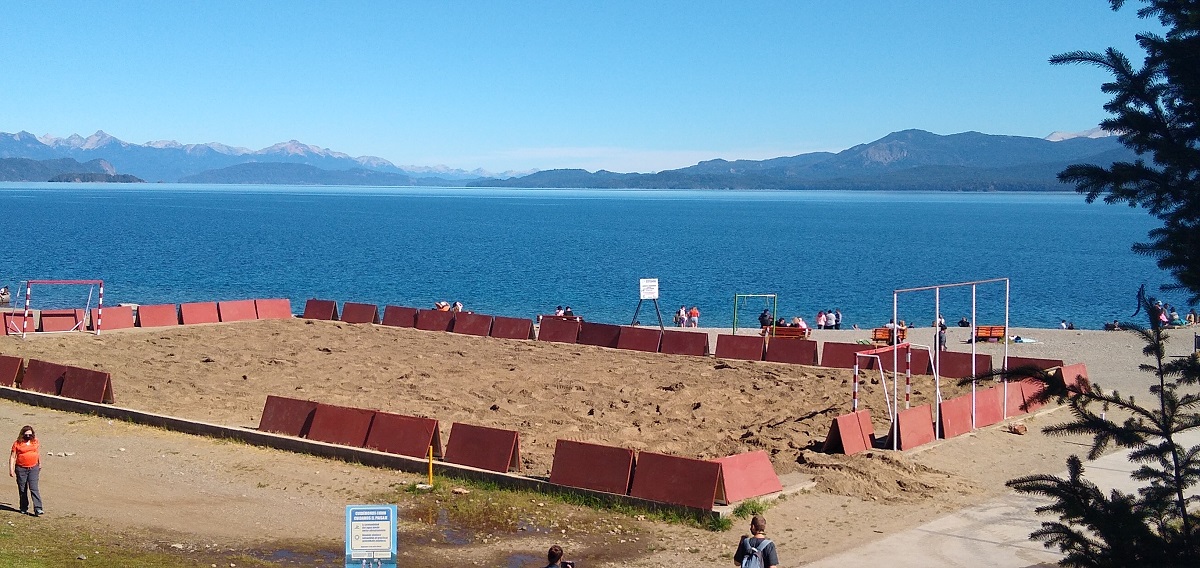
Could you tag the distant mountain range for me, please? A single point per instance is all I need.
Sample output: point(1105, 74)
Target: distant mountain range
point(906, 160)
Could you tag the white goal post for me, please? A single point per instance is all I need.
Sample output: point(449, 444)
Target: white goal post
point(99, 284)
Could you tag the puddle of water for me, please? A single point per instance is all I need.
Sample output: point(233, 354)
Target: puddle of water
point(523, 560)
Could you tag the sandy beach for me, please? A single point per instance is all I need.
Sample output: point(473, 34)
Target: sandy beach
point(690, 406)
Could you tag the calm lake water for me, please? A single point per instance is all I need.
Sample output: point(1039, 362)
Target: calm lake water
point(522, 252)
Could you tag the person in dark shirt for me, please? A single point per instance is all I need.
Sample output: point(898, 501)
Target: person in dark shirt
point(764, 319)
point(758, 534)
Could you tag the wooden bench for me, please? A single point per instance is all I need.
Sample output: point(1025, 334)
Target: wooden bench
point(990, 332)
point(884, 335)
point(788, 332)
point(564, 318)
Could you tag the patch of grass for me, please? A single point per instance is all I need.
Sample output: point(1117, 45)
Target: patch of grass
point(749, 508)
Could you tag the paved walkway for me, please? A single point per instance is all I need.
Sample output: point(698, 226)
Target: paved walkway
point(994, 534)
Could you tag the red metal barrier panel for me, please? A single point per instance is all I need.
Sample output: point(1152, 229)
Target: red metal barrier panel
point(684, 343)
point(11, 369)
point(1075, 375)
point(340, 425)
point(1029, 392)
point(599, 334)
point(1014, 399)
point(62, 320)
point(1041, 364)
point(399, 316)
point(746, 347)
point(955, 365)
point(791, 350)
point(273, 308)
point(117, 317)
point(988, 406)
point(87, 384)
point(558, 330)
point(14, 323)
point(288, 416)
point(404, 435)
point(592, 466)
point(850, 434)
point(639, 339)
point(675, 480)
point(492, 449)
point(916, 426)
point(435, 320)
point(919, 364)
point(354, 312)
point(841, 355)
point(512, 328)
point(199, 312)
point(472, 324)
point(158, 315)
point(954, 416)
point(746, 476)
point(320, 310)
point(236, 310)
point(41, 376)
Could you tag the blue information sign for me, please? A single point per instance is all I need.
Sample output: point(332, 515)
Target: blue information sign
point(370, 536)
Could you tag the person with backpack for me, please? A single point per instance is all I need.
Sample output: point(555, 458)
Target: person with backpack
point(756, 550)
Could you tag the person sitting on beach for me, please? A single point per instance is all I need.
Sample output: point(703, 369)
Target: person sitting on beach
point(1062, 324)
point(558, 310)
point(457, 307)
point(964, 322)
point(6, 296)
point(764, 319)
point(781, 322)
point(567, 312)
point(1191, 317)
point(799, 322)
point(1175, 321)
point(441, 306)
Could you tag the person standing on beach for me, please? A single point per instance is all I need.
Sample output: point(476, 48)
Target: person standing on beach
point(25, 464)
point(757, 543)
point(837, 318)
point(821, 319)
point(681, 316)
point(694, 317)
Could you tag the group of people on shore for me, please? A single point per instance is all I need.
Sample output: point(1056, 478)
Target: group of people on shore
point(825, 320)
point(443, 306)
point(685, 317)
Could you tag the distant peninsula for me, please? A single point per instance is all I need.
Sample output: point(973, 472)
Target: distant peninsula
point(96, 178)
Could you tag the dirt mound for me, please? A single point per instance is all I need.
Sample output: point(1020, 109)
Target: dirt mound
point(883, 476)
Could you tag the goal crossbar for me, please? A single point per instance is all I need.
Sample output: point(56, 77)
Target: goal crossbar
point(99, 303)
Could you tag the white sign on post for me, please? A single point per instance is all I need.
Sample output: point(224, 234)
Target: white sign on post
point(649, 288)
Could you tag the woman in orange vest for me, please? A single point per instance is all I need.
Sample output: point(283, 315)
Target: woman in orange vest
point(25, 465)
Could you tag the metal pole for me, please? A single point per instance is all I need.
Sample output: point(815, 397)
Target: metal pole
point(895, 363)
point(25, 321)
point(937, 359)
point(974, 339)
point(854, 393)
point(100, 308)
point(1006, 285)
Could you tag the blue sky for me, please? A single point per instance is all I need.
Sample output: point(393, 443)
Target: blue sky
point(623, 86)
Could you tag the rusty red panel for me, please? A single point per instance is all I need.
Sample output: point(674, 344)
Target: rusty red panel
point(354, 312)
point(1014, 399)
point(850, 433)
point(841, 355)
point(791, 350)
point(11, 369)
point(639, 339)
point(598, 334)
point(493, 449)
point(41, 376)
point(916, 426)
point(399, 316)
point(117, 317)
point(288, 416)
point(989, 407)
point(87, 384)
point(1029, 393)
point(955, 365)
point(404, 435)
point(435, 320)
point(512, 328)
point(1041, 364)
point(748, 475)
point(747, 347)
point(675, 480)
point(955, 416)
point(1075, 374)
point(684, 343)
point(468, 323)
point(592, 466)
point(199, 312)
point(273, 308)
point(340, 425)
point(320, 309)
point(62, 320)
point(558, 330)
point(236, 310)
point(157, 315)
point(14, 323)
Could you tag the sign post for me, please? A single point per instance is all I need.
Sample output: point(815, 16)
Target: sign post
point(370, 536)
point(648, 290)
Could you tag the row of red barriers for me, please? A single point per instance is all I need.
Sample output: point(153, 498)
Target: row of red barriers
point(153, 315)
point(659, 477)
point(428, 320)
point(59, 380)
point(916, 426)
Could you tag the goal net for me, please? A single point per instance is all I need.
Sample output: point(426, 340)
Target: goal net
point(64, 305)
